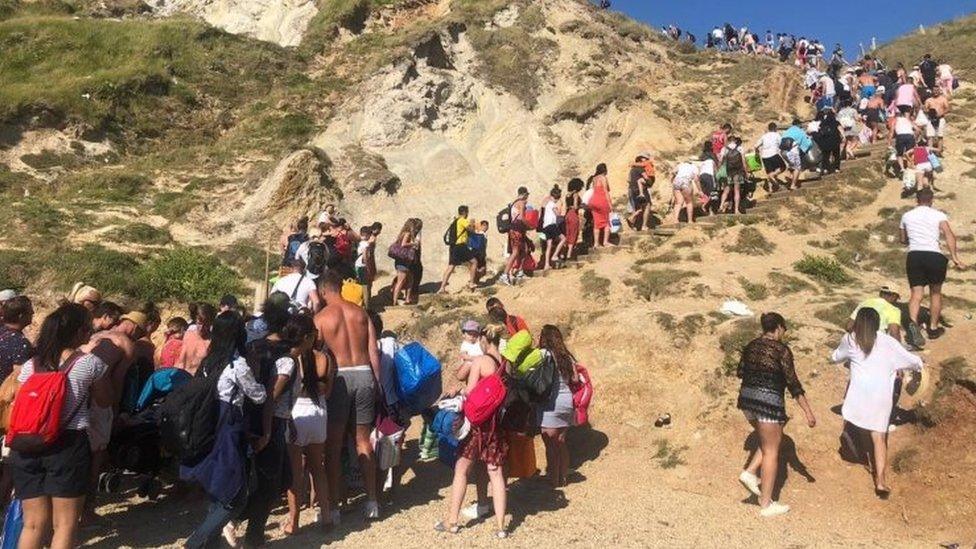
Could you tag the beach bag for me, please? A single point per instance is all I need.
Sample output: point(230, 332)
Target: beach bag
point(520, 353)
point(521, 456)
point(935, 161)
point(616, 225)
point(35, 421)
point(753, 162)
point(188, 419)
point(353, 292)
point(485, 399)
point(520, 415)
point(503, 221)
point(387, 448)
point(587, 196)
point(402, 254)
point(539, 382)
point(582, 394)
point(531, 219)
point(161, 383)
point(908, 179)
point(418, 375)
point(13, 524)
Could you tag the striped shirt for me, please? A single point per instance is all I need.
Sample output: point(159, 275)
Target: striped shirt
point(82, 376)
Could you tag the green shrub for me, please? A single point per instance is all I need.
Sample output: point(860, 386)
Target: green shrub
point(141, 233)
point(651, 284)
point(751, 242)
point(249, 259)
point(174, 205)
point(824, 269)
point(754, 291)
point(17, 270)
point(512, 59)
point(39, 216)
point(186, 274)
point(106, 186)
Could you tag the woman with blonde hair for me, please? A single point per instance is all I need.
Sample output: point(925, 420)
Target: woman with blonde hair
point(405, 240)
point(85, 295)
point(874, 358)
point(485, 442)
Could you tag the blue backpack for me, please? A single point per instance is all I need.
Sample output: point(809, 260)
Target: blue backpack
point(418, 376)
point(443, 426)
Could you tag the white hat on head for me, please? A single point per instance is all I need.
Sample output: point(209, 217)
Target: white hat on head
point(7, 295)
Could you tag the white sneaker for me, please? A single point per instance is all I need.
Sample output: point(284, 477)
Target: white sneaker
point(750, 481)
point(229, 534)
point(892, 428)
point(475, 511)
point(505, 280)
point(372, 510)
point(774, 509)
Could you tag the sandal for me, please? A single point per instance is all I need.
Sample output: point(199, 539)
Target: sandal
point(501, 534)
point(443, 528)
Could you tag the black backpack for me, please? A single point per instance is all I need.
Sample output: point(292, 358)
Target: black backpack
point(318, 257)
point(504, 220)
point(188, 419)
point(450, 235)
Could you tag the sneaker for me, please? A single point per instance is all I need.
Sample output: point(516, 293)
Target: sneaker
point(892, 428)
point(372, 510)
point(229, 534)
point(520, 274)
point(936, 333)
point(475, 511)
point(914, 336)
point(750, 481)
point(503, 279)
point(774, 509)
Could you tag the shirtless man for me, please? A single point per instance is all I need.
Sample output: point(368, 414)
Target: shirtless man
point(116, 349)
point(345, 329)
point(196, 342)
point(938, 103)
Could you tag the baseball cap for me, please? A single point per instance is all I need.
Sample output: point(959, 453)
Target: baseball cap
point(645, 154)
point(137, 318)
point(470, 326)
point(888, 290)
point(7, 295)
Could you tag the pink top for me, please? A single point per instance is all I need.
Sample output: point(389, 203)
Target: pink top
point(170, 352)
point(921, 155)
point(905, 95)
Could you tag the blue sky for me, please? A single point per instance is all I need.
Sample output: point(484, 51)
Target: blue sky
point(860, 19)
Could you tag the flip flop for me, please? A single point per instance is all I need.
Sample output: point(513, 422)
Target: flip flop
point(441, 527)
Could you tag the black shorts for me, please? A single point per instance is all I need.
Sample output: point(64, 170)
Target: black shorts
point(707, 182)
point(905, 108)
point(460, 255)
point(926, 268)
point(773, 164)
point(904, 143)
point(61, 471)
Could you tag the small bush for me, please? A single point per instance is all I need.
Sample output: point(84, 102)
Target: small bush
point(111, 187)
point(45, 160)
point(785, 284)
point(824, 269)
point(667, 455)
point(174, 205)
point(742, 332)
point(905, 460)
point(751, 242)
point(754, 291)
point(141, 233)
point(651, 284)
point(249, 259)
point(186, 274)
point(594, 286)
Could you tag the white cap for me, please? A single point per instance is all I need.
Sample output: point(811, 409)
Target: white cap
point(7, 295)
point(324, 217)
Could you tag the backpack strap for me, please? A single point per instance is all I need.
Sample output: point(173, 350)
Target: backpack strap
point(297, 285)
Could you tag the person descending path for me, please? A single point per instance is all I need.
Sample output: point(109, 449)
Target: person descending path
point(600, 205)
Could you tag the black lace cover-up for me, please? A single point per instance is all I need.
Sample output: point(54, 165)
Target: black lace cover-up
point(767, 370)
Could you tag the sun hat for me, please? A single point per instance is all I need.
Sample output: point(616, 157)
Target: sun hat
point(645, 154)
point(136, 317)
point(471, 326)
point(7, 295)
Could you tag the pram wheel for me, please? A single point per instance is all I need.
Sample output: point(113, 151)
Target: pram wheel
point(109, 483)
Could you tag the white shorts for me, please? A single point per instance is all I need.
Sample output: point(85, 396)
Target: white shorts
point(682, 184)
point(308, 424)
point(923, 167)
point(99, 427)
point(931, 131)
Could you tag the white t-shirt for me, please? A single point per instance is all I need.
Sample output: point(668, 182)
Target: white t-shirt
point(285, 366)
point(903, 126)
point(287, 285)
point(686, 171)
point(828, 86)
point(707, 167)
point(922, 225)
point(360, 254)
point(236, 382)
point(945, 71)
point(549, 215)
point(472, 349)
point(769, 144)
point(388, 349)
point(82, 376)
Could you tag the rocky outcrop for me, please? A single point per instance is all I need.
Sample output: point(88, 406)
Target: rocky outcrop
point(364, 172)
point(280, 21)
point(301, 182)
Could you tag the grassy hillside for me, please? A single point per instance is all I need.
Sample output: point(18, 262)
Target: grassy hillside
point(953, 42)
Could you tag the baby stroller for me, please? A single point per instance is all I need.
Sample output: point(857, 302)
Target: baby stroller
point(135, 447)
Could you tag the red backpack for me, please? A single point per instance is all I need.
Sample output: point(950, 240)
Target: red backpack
point(487, 396)
point(35, 422)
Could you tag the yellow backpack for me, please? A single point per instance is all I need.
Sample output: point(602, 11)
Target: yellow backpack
point(353, 292)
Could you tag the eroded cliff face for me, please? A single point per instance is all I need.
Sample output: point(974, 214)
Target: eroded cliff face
point(283, 22)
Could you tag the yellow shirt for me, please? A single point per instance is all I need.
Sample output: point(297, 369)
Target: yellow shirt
point(462, 225)
point(889, 313)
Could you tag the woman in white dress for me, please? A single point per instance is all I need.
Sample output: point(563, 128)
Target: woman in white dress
point(874, 358)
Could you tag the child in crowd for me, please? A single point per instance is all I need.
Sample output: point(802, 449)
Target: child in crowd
point(169, 351)
point(366, 259)
point(919, 158)
point(478, 242)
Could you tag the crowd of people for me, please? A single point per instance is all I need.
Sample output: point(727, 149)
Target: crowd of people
point(305, 396)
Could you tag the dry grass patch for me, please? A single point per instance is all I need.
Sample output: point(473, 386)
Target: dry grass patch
point(655, 283)
point(754, 291)
point(751, 242)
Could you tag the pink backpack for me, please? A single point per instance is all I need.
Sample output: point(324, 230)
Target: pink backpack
point(582, 394)
point(486, 398)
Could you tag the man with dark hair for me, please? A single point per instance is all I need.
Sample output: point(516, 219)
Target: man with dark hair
point(17, 313)
point(497, 313)
point(928, 67)
point(105, 315)
point(921, 229)
point(456, 239)
point(768, 149)
point(345, 329)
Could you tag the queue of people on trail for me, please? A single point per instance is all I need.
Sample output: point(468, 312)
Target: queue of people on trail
point(247, 408)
